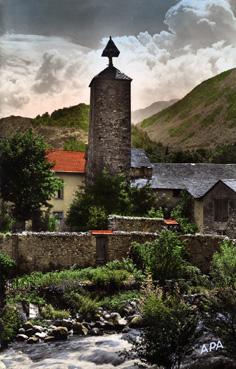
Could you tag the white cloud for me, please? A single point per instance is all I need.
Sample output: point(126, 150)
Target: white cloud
point(41, 74)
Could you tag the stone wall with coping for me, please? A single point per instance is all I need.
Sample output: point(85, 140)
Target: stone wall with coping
point(135, 224)
point(53, 251)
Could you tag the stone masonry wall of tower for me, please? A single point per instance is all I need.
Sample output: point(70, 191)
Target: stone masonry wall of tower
point(109, 144)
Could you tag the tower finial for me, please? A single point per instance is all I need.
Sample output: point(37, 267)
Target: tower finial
point(111, 51)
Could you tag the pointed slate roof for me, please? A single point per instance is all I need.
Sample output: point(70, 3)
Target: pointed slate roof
point(111, 50)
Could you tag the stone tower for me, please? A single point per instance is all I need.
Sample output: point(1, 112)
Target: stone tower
point(109, 144)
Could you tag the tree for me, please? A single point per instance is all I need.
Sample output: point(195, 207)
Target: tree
point(27, 180)
point(107, 195)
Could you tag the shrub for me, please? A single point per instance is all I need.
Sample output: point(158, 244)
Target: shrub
point(170, 330)
point(48, 312)
point(10, 323)
point(155, 213)
point(82, 304)
point(223, 267)
point(129, 266)
point(111, 279)
point(185, 226)
point(163, 257)
point(119, 301)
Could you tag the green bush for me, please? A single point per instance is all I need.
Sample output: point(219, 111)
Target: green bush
point(112, 279)
point(223, 267)
point(48, 312)
point(83, 304)
point(164, 258)
point(155, 213)
point(185, 226)
point(129, 266)
point(170, 330)
point(119, 301)
point(10, 323)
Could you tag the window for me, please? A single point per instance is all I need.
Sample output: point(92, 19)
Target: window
point(221, 207)
point(59, 215)
point(60, 194)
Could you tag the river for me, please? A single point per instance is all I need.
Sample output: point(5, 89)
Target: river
point(90, 352)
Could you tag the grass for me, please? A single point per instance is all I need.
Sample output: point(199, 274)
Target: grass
point(204, 94)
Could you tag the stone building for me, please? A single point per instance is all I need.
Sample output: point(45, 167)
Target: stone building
point(212, 188)
point(109, 141)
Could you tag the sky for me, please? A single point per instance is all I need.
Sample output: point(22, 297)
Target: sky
point(51, 49)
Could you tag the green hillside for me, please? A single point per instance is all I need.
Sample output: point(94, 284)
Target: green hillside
point(206, 116)
point(75, 116)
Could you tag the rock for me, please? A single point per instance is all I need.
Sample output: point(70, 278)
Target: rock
point(107, 316)
point(28, 325)
point(41, 335)
point(122, 322)
point(212, 363)
point(100, 324)
point(48, 339)
point(133, 304)
point(30, 332)
point(21, 337)
point(136, 321)
point(95, 332)
point(115, 316)
point(108, 325)
point(68, 323)
point(118, 321)
point(80, 328)
point(60, 333)
point(33, 340)
point(38, 328)
point(21, 331)
point(101, 357)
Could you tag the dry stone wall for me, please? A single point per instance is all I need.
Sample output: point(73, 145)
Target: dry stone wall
point(135, 224)
point(52, 251)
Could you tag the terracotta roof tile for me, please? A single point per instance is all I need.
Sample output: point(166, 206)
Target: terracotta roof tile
point(102, 232)
point(67, 161)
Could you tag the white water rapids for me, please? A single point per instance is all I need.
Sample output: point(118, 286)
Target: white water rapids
point(101, 352)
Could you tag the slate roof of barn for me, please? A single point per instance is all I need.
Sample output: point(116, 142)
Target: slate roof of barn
point(197, 179)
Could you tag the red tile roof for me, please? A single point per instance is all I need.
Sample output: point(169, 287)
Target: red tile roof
point(67, 161)
point(170, 222)
point(102, 232)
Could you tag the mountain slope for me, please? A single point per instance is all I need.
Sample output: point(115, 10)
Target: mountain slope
point(62, 126)
point(205, 117)
point(156, 107)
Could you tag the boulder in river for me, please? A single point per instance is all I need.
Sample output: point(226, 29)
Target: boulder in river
point(21, 338)
point(32, 340)
point(80, 328)
point(136, 321)
point(60, 333)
